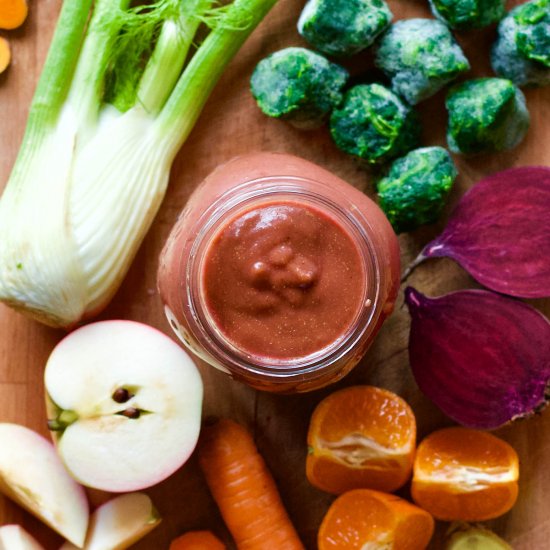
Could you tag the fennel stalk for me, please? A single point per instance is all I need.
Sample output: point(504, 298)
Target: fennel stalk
point(116, 100)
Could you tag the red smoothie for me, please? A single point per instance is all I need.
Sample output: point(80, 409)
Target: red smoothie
point(283, 280)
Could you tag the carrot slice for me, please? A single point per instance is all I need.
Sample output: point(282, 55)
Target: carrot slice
point(363, 518)
point(5, 54)
point(197, 540)
point(361, 437)
point(244, 489)
point(12, 13)
point(465, 475)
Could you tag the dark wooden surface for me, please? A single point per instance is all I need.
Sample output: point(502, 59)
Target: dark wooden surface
point(231, 125)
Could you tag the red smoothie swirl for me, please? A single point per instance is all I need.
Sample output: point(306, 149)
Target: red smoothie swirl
point(283, 280)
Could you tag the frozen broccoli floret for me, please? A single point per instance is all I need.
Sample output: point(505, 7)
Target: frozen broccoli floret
point(522, 50)
point(486, 115)
point(374, 124)
point(343, 27)
point(420, 56)
point(298, 85)
point(468, 14)
point(416, 188)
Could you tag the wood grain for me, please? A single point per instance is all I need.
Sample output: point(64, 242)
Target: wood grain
point(231, 125)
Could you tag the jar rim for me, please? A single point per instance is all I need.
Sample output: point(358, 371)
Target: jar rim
point(251, 192)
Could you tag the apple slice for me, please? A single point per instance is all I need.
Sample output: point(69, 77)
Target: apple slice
point(124, 403)
point(119, 523)
point(14, 537)
point(33, 476)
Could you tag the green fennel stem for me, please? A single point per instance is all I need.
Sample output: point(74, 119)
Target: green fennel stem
point(88, 83)
point(185, 105)
point(60, 64)
point(55, 79)
point(164, 68)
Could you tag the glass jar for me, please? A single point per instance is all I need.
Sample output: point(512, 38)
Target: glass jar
point(253, 185)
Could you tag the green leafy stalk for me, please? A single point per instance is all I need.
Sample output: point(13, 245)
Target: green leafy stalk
point(55, 80)
point(140, 28)
point(206, 67)
point(87, 87)
point(166, 63)
point(60, 64)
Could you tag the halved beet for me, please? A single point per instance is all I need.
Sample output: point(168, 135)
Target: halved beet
point(500, 233)
point(482, 358)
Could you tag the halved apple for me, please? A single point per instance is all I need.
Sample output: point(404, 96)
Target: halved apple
point(14, 537)
point(124, 404)
point(119, 523)
point(32, 475)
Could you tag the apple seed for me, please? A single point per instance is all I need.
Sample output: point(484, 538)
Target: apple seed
point(121, 395)
point(131, 412)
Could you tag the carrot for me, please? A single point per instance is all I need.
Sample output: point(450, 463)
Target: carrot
point(197, 540)
point(12, 13)
point(5, 54)
point(244, 489)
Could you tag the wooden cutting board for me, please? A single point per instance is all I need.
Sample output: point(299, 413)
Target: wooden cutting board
point(232, 125)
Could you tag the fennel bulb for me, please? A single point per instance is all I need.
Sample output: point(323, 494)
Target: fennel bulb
point(114, 104)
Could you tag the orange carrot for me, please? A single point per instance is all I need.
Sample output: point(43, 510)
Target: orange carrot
point(5, 54)
point(197, 540)
point(12, 13)
point(244, 489)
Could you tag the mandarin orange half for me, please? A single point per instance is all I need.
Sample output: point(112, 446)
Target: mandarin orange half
point(361, 437)
point(366, 519)
point(465, 475)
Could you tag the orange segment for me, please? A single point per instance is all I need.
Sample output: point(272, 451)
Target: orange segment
point(361, 437)
point(197, 540)
point(465, 475)
point(369, 520)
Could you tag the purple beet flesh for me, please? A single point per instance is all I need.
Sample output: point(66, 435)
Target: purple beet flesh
point(500, 233)
point(482, 358)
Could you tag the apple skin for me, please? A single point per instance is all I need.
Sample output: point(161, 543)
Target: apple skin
point(119, 523)
point(100, 447)
point(14, 537)
point(32, 475)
